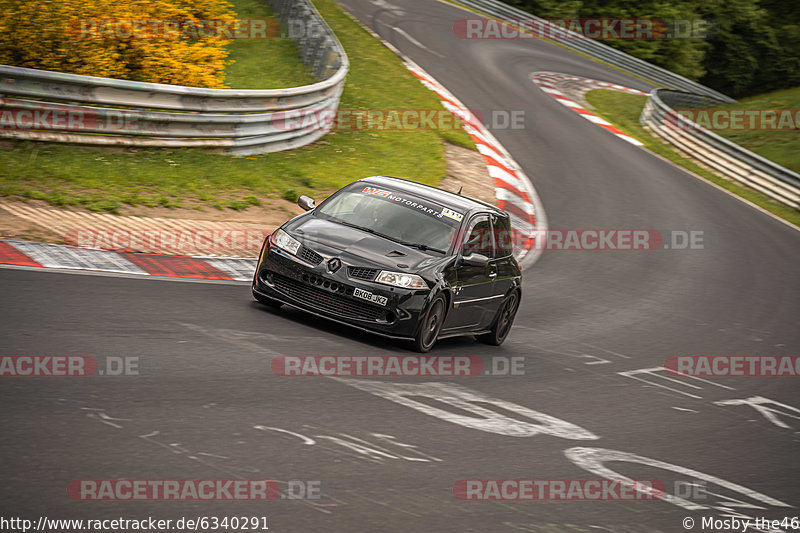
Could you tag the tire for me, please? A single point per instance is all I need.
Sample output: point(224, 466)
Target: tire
point(275, 304)
point(505, 319)
point(431, 325)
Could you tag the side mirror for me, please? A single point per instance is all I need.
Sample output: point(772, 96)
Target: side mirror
point(478, 260)
point(306, 203)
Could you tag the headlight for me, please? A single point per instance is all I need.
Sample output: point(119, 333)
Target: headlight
point(407, 281)
point(283, 240)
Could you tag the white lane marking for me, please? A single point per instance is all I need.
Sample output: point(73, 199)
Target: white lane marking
point(684, 409)
point(759, 403)
point(593, 460)
point(416, 42)
point(655, 372)
point(465, 399)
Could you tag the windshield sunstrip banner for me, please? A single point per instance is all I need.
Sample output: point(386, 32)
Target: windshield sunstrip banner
point(442, 213)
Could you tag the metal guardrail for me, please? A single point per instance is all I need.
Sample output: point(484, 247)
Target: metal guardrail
point(592, 48)
point(719, 154)
point(236, 121)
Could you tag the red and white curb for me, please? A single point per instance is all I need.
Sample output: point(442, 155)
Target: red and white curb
point(36, 254)
point(547, 82)
point(513, 190)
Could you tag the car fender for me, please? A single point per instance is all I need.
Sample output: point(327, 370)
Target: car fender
point(515, 288)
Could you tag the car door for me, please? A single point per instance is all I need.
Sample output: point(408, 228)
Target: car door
point(502, 266)
point(472, 285)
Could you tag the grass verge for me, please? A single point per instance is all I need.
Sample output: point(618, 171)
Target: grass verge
point(781, 146)
point(623, 110)
point(264, 64)
point(105, 179)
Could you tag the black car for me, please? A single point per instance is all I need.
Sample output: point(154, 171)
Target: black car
point(397, 258)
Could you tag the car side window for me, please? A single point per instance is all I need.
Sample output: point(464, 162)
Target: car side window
point(478, 238)
point(503, 238)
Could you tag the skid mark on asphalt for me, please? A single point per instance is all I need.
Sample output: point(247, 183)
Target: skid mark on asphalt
point(254, 341)
point(359, 448)
point(413, 41)
point(570, 340)
point(237, 338)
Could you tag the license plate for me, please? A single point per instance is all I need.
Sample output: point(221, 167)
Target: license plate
point(368, 296)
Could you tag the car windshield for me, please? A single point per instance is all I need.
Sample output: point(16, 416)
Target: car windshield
point(398, 216)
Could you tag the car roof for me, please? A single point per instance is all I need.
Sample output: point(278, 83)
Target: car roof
point(446, 198)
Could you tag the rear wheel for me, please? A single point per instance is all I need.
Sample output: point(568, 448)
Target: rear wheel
point(267, 301)
point(505, 319)
point(431, 325)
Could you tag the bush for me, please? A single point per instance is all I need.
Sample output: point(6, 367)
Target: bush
point(89, 38)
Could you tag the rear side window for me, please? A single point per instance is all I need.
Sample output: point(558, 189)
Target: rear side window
point(503, 238)
point(478, 238)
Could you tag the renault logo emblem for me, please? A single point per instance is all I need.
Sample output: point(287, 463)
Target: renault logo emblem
point(334, 265)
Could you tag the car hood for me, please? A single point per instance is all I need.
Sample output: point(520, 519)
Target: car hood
point(358, 248)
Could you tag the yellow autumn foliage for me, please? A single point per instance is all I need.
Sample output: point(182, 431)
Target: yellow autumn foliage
point(94, 38)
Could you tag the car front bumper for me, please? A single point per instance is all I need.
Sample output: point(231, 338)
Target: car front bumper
point(311, 287)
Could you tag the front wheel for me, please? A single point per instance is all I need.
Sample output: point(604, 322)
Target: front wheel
point(431, 325)
point(505, 319)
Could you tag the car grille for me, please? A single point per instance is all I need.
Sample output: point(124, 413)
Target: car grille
point(310, 256)
point(367, 274)
point(334, 303)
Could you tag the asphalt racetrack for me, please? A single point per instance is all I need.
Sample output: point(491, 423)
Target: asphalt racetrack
point(205, 403)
